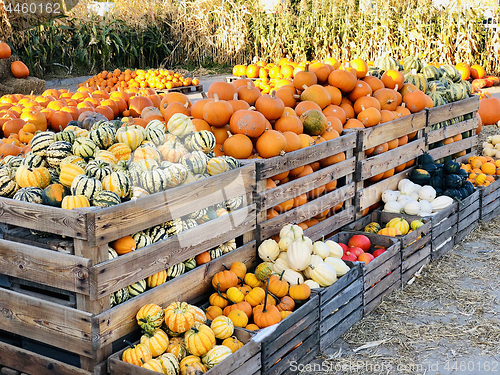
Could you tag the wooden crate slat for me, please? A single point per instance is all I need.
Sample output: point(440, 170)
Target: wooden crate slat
point(469, 221)
point(353, 317)
point(443, 248)
point(62, 271)
point(486, 190)
point(406, 276)
point(444, 226)
point(378, 274)
point(120, 320)
point(455, 109)
point(292, 189)
point(491, 197)
point(35, 364)
point(47, 322)
point(125, 270)
point(381, 163)
point(325, 227)
point(326, 294)
point(71, 223)
point(379, 134)
point(415, 247)
point(374, 295)
point(452, 130)
point(273, 166)
point(453, 148)
point(23, 235)
point(328, 308)
point(306, 211)
point(121, 220)
point(332, 320)
point(415, 258)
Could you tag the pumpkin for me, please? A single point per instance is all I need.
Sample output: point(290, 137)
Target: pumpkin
point(218, 112)
point(268, 250)
point(223, 90)
point(19, 69)
point(372, 228)
point(300, 292)
point(191, 365)
point(266, 315)
point(248, 122)
point(169, 363)
point(156, 341)
point(278, 286)
point(343, 80)
point(314, 122)
point(323, 273)
point(224, 280)
point(177, 347)
point(53, 195)
point(287, 303)
point(238, 317)
point(255, 296)
point(179, 316)
point(399, 223)
point(262, 271)
point(136, 288)
point(5, 51)
point(223, 327)
point(298, 255)
point(36, 177)
point(216, 355)
point(137, 354)
point(235, 295)
point(252, 280)
point(391, 232)
point(233, 344)
point(124, 245)
point(199, 339)
point(150, 317)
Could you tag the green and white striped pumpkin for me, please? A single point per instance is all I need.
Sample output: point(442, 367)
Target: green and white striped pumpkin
point(83, 147)
point(203, 140)
point(157, 233)
point(436, 86)
point(234, 203)
point(73, 159)
point(449, 71)
point(446, 81)
point(172, 227)
point(156, 125)
point(431, 73)
point(119, 296)
point(54, 175)
point(416, 79)
point(117, 182)
point(147, 164)
point(176, 270)
point(135, 177)
point(437, 98)
point(386, 62)
point(103, 137)
point(156, 135)
point(211, 214)
point(468, 87)
point(188, 224)
point(456, 92)
point(8, 185)
point(198, 215)
point(13, 162)
point(29, 194)
point(106, 198)
point(87, 186)
point(195, 162)
point(141, 240)
point(112, 254)
point(121, 165)
point(175, 174)
point(217, 166)
point(216, 355)
point(215, 253)
point(98, 169)
point(32, 160)
point(190, 264)
point(131, 135)
point(233, 163)
point(228, 246)
point(170, 364)
point(412, 62)
point(68, 136)
point(180, 125)
point(154, 181)
point(137, 288)
point(57, 152)
point(41, 142)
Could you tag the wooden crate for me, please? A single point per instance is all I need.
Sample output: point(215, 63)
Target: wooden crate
point(90, 329)
point(231, 79)
point(415, 251)
point(295, 340)
point(245, 361)
point(344, 193)
point(444, 229)
point(490, 202)
point(182, 89)
point(469, 212)
point(447, 112)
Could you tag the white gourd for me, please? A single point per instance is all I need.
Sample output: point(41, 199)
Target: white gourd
point(336, 250)
point(340, 267)
point(324, 274)
point(425, 206)
point(292, 231)
point(284, 243)
point(405, 186)
point(282, 255)
point(315, 259)
point(280, 265)
point(414, 196)
point(441, 203)
point(394, 207)
point(390, 195)
point(298, 255)
point(427, 193)
point(403, 199)
point(307, 241)
point(411, 207)
point(312, 284)
point(269, 250)
point(321, 249)
point(292, 277)
point(416, 188)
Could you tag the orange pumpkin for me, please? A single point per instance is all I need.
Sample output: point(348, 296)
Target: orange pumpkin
point(271, 143)
point(19, 69)
point(5, 51)
point(124, 245)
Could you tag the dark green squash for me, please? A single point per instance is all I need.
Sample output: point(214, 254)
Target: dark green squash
point(53, 195)
point(469, 186)
point(420, 177)
point(431, 168)
point(464, 192)
point(424, 159)
point(437, 182)
point(453, 193)
point(452, 181)
point(451, 167)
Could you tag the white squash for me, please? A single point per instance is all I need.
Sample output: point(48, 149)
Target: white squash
point(312, 284)
point(336, 250)
point(394, 207)
point(269, 250)
point(292, 231)
point(414, 196)
point(324, 274)
point(403, 199)
point(280, 265)
point(495, 139)
point(416, 188)
point(489, 152)
point(487, 145)
point(321, 249)
point(390, 195)
point(284, 243)
point(180, 125)
point(293, 277)
point(282, 255)
point(298, 255)
point(315, 259)
point(427, 193)
point(497, 146)
point(412, 207)
point(441, 203)
point(497, 155)
point(425, 206)
point(405, 186)
point(340, 267)
point(307, 241)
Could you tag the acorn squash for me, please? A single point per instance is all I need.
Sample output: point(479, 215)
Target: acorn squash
point(452, 181)
point(420, 176)
point(451, 167)
point(437, 182)
point(424, 159)
point(453, 193)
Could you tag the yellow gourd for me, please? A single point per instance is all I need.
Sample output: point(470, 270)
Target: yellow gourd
point(399, 223)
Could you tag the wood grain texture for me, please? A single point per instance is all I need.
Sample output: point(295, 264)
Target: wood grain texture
point(273, 166)
point(453, 148)
point(120, 320)
point(331, 224)
point(373, 303)
point(415, 247)
point(47, 322)
point(391, 159)
point(416, 258)
point(71, 223)
point(23, 235)
point(32, 363)
point(292, 189)
point(490, 188)
point(353, 312)
point(388, 267)
point(330, 307)
point(326, 294)
point(491, 197)
point(449, 111)
point(407, 275)
point(378, 134)
point(125, 270)
point(27, 262)
point(115, 222)
point(443, 249)
point(470, 221)
point(444, 225)
point(451, 130)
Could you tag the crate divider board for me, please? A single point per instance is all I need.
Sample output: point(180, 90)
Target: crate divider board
point(344, 170)
point(444, 229)
point(490, 201)
point(85, 269)
point(245, 361)
point(469, 212)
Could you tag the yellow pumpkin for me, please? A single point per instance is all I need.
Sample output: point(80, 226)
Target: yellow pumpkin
point(233, 343)
point(68, 173)
point(239, 318)
point(223, 327)
point(137, 355)
point(199, 339)
point(177, 347)
point(400, 224)
point(192, 361)
point(156, 279)
point(36, 177)
point(70, 202)
point(179, 317)
point(153, 365)
point(157, 341)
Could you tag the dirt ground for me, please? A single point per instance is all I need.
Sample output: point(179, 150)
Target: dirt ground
point(444, 323)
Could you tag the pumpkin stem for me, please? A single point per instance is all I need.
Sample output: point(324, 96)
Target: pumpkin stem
point(295, 96)
point(265, 296)
point(396, 88)
point(304, 87)
point(282, 273)
point(216, 98)
point(129, 343)
point(221, 296)
point(249, 86)
point(235, 96)
point(223, 265)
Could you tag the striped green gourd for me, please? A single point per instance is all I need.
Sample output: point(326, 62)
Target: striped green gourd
point(112, 254)
point(449, 71)
point(468, 87)
point(233, 163)
point(41, 142)
point(73, 159)
point(431, 73)
point(412, 62)
point(154, 181)
point(135, 177)
point(68, 136)
point(190, 264)
point(416, 79)
point(217, 166)
point(119, 296)
point(98, 169)
point(106, 198)
point(13, 162)
point(198, 215)
point(176, 270)
point(234, 203)
point(195, 162)
point(137, 288)
point(172, 227)
point(436, 86)
point(175, 174)
point(87, 186)
point(32, 160)
point(84, 147)
point(141, 240)
point(103, 137)
point(8, 185)
point(203, 140)
point(437, 98)
point(215, 253)
point(57, 152)
point(29, 194)
point(117, 182)
point(157, 233)
point(188, 224)
point(456, 92)
point(54, 175)
point(386, 62)
point(156, 135)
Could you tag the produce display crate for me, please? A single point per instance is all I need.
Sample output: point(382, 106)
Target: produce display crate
point(84, 269)
point(446, 112)
point(490, 202)
point(469, 212)
point(367, 193)
point(293, 340)
point(415, 246)
point(231, 79)
point(343, 172)
point(182, 89)
point(245, 361)
point(444, 230)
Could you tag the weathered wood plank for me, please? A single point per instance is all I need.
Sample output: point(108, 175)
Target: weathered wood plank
point(292, 189)
point(27, 262)
point(120, 320)
point(490, 188)
point(329, 307)
point(455, 109)
point(491, 197)
point(376, 135)
point(273, 166)
point(487, 216)
point(125, 270)
point(469, 221)
point(330, 224)
point(115, 222)
point(340, 322)
point(375, 165)
point(373, 304)
point(452, 130)
point(407, 275)
point(416, 258)
point(47, 322)
point(326, 294)
point(373, 296)
point(453, 148)
point(23, 235)
point(71, 223)
point(442, 249)
point(32, 363)
point(414, 247)
point(382, 271)
point(444, 225)
point(306, 211)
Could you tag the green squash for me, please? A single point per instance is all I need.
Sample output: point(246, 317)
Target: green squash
point(141, 240)
point(32, 160)
point(417, 79)
point(84, 147)
point(154, 181)
point(176, 270)
point(431, 73)
point(103, 137)
point(67, 136)
point(190, 264)
point(372, 228)
point(452, 181)
point(87, 186)
point(137, 288)
point(29, 194)
point(449, 71)
point(453, 193)
point(53, 195)
point(106, 198)
point(451, 167)
point(386, 62)
point(425, 158)
point(437, 182)
point(8, 185)
point(98, 169)
point(456, 92)
point(203, 140)
point(412, 62)
point(41, 142)
point(420, 177)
